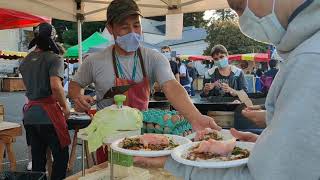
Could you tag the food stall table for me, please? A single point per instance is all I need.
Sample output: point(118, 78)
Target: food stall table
point(8, 133)
point(75, 122)
point(10, 84)
point(220, 108)
point(159, 104)
point(102, 171)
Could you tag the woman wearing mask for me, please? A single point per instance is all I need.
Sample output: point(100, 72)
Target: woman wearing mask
point(223, 79)
point(288, 149)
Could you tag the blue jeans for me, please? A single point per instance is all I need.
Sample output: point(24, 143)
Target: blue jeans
point(188, 89)
point(193, 93)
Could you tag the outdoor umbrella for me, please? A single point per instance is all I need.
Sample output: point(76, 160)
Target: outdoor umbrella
point(257, 57)
point(10, 19)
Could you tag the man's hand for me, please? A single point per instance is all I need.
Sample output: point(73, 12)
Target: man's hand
point(143, 162)
point(83, 103)
point(256, 115)
point(66, 112)
point(244, 136)
point(202, 122)
point(209, 86)
point(226, 88)
point(254, 107)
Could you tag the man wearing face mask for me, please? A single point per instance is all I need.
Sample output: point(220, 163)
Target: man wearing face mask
point(166, 51)
point(128, 63)
point(288, 149)
point(223, 79)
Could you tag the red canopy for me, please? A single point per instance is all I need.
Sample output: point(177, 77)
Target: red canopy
point(10, 19)
point(258, 57)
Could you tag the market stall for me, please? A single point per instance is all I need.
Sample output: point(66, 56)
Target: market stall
point(81, 11)
point(10, 19)
point(11, 81)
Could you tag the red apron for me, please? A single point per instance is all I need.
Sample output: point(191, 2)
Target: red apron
point(137, 96)
point(55, 115)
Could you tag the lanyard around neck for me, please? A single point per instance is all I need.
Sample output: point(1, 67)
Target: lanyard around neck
point(120, 69)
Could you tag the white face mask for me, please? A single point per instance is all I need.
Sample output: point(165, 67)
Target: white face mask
point(266, 29)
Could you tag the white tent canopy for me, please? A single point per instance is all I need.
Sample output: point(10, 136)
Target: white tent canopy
point(95, 10)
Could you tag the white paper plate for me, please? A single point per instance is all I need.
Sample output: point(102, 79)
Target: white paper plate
point(181, 151)
point(226, 135)
point(176, 139)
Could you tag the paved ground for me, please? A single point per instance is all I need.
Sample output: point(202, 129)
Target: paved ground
point(13, 103)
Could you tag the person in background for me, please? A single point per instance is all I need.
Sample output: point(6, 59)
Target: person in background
point(47, 110)
point(223, 79)
point(268, 77)
point(259, 71)
point(272, 72)
point(166, 51)
point(193, 73)
point(185, 79)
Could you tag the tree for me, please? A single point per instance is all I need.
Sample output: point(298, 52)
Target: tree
point(68, 34)
point(228, 34)
point(194, 19)
point(225, 14)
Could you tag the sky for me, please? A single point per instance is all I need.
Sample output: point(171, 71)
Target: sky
point(208, 14)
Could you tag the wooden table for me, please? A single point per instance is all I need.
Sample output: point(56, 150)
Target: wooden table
point(102, 171)
point(10, 84)
point(8, 133)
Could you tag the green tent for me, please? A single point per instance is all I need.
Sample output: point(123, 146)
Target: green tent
point(94, 40)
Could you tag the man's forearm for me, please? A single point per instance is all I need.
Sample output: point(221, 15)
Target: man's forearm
point(58, 94)
point(177, 77)
point(74, 90)
point(180, 100)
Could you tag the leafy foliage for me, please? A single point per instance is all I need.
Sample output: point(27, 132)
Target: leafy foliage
point(228, 34)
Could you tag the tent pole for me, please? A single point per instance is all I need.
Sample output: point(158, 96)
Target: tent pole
point(80, 40)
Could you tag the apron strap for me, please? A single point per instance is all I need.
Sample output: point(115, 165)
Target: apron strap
point(115, 66)
point(142, 63)
point(114, 62)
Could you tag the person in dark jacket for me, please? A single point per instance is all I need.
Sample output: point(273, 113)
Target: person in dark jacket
point(272, 72)
point(223, 79)
point(193, 73)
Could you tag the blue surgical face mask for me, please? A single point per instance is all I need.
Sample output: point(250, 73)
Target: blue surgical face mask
point(129, 42)
point(222, 63)
point(167, 55)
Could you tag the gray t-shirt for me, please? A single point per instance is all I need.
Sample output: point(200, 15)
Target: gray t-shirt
point(98, 68)
point(36, 70)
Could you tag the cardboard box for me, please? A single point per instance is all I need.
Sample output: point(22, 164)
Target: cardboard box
point(13, 84)
point(1, 112)
point(198, 84)
point(224, 119)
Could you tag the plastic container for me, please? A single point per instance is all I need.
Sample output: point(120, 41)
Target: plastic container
point(7, 175)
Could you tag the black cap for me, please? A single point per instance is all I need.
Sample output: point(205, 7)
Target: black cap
point(120, 9)
point(44, 36)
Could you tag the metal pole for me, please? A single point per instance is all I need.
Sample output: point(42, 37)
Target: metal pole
point(80, 40)
point(68, 71)
point(111, 165)
point(83, 162)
